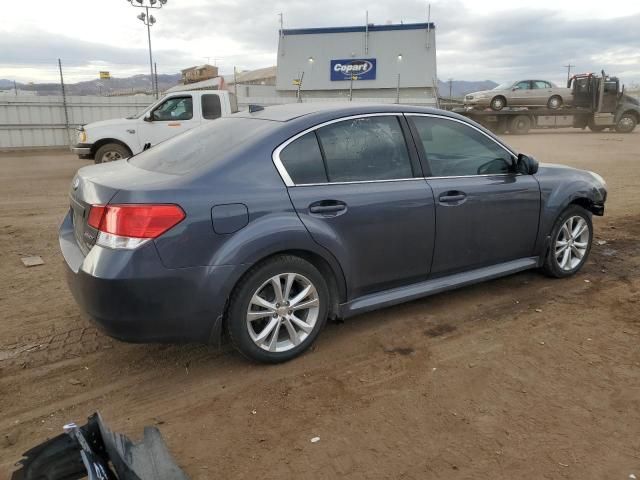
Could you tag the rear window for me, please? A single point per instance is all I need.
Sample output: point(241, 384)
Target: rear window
point(211, 108)
point(303, 160)
point(201, 146)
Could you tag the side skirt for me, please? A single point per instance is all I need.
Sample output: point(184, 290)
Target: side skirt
point(398, 295)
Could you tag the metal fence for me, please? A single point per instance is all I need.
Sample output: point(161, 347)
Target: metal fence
point(28, 121)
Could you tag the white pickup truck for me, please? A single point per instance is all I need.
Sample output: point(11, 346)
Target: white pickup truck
point(173, 114)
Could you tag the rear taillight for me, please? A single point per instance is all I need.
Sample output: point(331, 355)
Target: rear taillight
point(131, 225)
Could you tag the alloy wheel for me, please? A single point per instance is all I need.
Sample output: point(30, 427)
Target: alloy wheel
point(282, 312)
point(571, 243)
point(111, 156)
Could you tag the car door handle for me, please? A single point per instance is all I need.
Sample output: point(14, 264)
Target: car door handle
point(327, 207)
point(452, 197)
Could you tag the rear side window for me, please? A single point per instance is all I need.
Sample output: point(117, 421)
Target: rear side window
point(361, 149)
point(211, 108)
point(456, 149)
point(303, 160)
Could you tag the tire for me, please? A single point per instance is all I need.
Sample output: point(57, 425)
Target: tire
point(554, 264)
point(627, 123)
point(520, 125)
point(254, 338)
point(555, 102)
point(110, 152)
point(498, 103)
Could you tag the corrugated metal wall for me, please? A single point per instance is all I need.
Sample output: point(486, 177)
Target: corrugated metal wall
point(33, 121)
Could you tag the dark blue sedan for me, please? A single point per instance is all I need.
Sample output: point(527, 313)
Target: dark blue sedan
point(265, 224)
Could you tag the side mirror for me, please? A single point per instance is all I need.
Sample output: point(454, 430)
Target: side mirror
point(148, 117)
point(526, 164)
point(515, 88)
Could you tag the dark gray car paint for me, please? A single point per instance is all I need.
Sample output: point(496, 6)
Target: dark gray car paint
point(176, 288)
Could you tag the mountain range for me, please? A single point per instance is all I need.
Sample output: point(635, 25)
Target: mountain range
point(142, 84)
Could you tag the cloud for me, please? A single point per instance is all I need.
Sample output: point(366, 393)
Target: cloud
point(471, 44)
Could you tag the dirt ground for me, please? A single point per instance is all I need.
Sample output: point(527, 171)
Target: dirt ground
point(522, 377)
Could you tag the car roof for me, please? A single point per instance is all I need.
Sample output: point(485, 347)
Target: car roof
point(287, 112)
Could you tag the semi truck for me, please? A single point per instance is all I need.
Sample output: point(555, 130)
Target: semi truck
point(598, 102)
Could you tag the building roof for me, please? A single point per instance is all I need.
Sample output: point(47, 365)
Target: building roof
point(216, 83)
point(359, 28)
point(197, 67)
point(251, 75)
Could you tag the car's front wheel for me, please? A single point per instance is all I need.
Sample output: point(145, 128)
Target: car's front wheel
point(570, 245)
point(111, 152)
point(278, 309)
point(498, 103)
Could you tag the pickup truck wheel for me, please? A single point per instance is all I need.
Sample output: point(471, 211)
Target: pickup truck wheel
point(570, 245)
point(626, 124)
point(498, 103)
point(520, 125)
point(555, 102)
point(111, 152)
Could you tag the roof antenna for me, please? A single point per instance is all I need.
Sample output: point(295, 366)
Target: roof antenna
point(255, 108)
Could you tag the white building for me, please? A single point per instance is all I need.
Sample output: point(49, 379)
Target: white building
point(383, 60)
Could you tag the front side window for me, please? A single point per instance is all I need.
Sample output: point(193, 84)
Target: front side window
point(303, 160)
point(211, 108)
point(365, 149)
point(524, 85)
point(174, 108)
point(456, 149)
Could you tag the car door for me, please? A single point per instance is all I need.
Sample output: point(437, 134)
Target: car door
point(170, 118)
point(541, 92)
point(486, 213)
point(520, 94)
point(357, 186)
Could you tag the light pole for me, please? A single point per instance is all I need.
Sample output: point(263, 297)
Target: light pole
point(149, 20)
point(398, 85)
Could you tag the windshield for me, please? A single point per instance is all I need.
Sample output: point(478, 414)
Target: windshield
point(503, 86)
point(204, 145)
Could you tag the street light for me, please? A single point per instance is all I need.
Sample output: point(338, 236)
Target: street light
point(149, 20)
point(398, 85)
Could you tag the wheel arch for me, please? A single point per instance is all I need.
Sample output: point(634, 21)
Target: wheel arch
point(105, 141)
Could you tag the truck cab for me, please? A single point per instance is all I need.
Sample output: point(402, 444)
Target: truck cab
point(175, 113)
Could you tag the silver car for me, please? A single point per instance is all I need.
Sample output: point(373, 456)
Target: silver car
point(523, 93)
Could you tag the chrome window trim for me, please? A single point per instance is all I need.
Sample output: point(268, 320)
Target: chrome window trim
point(500, 144)
point(286, 178)
point(283, 171)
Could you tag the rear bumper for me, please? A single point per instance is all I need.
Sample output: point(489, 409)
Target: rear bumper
point(131, 296)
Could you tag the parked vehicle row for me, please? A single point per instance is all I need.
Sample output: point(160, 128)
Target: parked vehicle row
point(265, 224)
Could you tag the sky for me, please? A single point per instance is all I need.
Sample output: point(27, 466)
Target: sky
point(476, 40)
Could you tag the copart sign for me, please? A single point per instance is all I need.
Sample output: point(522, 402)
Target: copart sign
point(359, 68)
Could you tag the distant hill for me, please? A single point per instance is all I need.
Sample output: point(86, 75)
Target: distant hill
point(141, 84)
point(459, 88)
point(127, 85)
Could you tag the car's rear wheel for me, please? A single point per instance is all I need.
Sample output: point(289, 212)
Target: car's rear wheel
point(498, 103)
point(554, 102)
point(110, 152)
point(278, 309)
point(570, 245)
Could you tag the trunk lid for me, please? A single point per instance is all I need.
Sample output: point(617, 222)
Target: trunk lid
point(98, 185)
